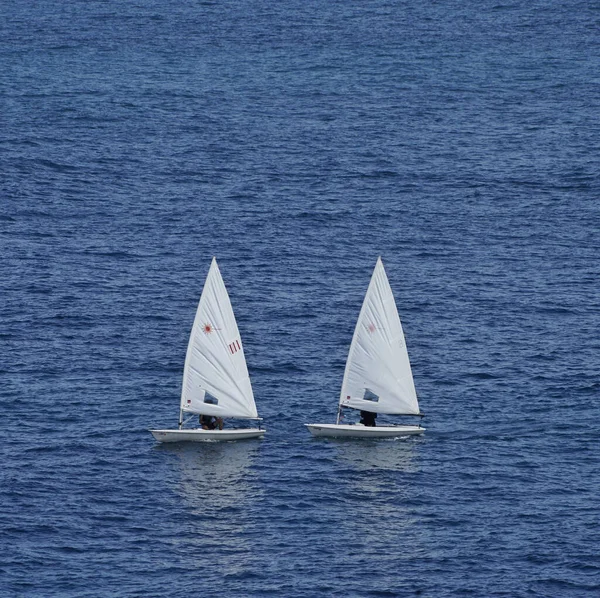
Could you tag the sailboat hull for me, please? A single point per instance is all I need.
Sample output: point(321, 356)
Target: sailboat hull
point(200, 435)
point(360, 431)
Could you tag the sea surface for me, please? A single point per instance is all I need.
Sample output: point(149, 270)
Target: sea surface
point(297, 142)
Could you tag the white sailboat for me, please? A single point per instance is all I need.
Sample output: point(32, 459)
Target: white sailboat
point(378, 378)
point(215, 376)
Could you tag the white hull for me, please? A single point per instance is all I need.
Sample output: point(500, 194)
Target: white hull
point(200, 435)
point(360, 431)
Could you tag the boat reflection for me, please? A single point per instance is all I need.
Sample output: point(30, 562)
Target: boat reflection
point(219, 488)
point(379, 489)
point(395, 454)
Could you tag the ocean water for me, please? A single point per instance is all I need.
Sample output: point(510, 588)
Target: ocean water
point(298, 141)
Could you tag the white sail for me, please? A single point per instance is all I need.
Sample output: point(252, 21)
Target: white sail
point(378, 377)
point(215, 376)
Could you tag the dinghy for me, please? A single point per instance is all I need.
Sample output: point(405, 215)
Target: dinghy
point(378, 378)
point(215, 376)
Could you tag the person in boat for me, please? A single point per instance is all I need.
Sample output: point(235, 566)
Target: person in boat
point(367, 418)
point(208, 422)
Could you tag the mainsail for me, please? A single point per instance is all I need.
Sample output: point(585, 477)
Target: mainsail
point(215, 375)
point(378, 377)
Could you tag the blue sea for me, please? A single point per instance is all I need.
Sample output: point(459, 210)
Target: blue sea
point(297, 142)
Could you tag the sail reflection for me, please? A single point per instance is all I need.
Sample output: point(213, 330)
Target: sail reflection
point(379, 488)
point(218, 485)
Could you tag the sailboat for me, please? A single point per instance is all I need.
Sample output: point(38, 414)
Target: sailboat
point(378, 378)
point(215, 376)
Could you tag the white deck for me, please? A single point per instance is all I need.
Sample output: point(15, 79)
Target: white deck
point(200, 435)
point(360, 431)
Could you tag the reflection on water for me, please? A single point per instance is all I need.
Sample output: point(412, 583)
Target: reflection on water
point(215, 475)
point(380, 485)
point(217, 484)
point(386, 454)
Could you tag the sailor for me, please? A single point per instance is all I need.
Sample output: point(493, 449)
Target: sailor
point(367, 418)
point(208, 422)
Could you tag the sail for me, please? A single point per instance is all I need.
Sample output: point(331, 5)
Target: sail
point(378, 377)
point(215, 375)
